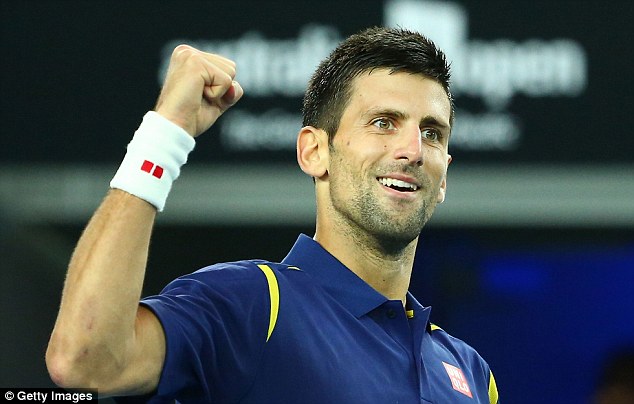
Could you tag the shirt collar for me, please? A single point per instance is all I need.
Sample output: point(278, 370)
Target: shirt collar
point(421, 313)
point(339, 281)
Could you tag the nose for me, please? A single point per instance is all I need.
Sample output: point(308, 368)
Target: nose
point(410, 146)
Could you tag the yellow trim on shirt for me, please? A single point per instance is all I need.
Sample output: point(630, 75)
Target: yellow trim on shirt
point(274, 294)
point(434, 327)
point(493, 389)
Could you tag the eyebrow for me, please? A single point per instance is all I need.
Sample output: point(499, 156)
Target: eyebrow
point(372, 112)
point(432, 121)
point(428, 120)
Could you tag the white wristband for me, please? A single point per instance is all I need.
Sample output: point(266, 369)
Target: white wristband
point(153, 161)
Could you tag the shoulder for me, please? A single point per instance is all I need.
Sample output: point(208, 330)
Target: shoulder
point(241, 269)
point(216, 322)
point(461, 360)
point(239, 297)
point(462, 353)
point(227, 275)
point(239, 283)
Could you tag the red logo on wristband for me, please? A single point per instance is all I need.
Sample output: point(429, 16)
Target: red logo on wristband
point(152, 168)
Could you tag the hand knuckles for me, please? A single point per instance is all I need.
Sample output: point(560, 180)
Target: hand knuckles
point(182, 49)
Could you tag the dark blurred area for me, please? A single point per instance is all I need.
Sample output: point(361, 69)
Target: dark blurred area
point(616, 382)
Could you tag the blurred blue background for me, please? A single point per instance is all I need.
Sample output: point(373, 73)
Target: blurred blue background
point(530, 259)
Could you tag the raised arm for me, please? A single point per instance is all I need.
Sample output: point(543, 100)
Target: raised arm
point(102, 338)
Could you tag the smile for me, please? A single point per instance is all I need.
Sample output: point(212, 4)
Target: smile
point(398, 185)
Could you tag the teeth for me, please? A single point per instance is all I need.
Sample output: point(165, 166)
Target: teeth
point(389, 182)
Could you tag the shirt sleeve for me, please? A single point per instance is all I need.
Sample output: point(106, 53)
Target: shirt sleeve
point(215, 322)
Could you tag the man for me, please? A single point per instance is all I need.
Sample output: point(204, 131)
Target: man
point(332, 323)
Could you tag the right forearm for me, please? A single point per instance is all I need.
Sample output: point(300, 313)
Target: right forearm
point(97, 316)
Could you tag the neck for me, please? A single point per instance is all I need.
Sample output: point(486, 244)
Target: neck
point(386, 266)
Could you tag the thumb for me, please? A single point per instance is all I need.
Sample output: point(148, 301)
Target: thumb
point(228, 99)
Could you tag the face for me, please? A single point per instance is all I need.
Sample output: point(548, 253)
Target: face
point(388, 161)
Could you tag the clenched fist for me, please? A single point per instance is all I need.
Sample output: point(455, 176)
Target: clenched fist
point(198, 88)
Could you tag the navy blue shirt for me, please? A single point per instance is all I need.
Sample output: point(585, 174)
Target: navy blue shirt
point(307, 330)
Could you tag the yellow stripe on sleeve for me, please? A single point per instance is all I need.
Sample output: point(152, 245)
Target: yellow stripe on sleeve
point(493, 389)
point(274, 294)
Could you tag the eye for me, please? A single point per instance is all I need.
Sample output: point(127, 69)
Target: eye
point(383, 124)
point(431, 134)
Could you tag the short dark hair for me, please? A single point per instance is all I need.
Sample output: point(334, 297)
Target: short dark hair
point(396, 49)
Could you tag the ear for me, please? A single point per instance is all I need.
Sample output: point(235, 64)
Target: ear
point(312, 151)
point(443, 185)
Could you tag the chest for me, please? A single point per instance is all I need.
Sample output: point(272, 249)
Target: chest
point(323, 354)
